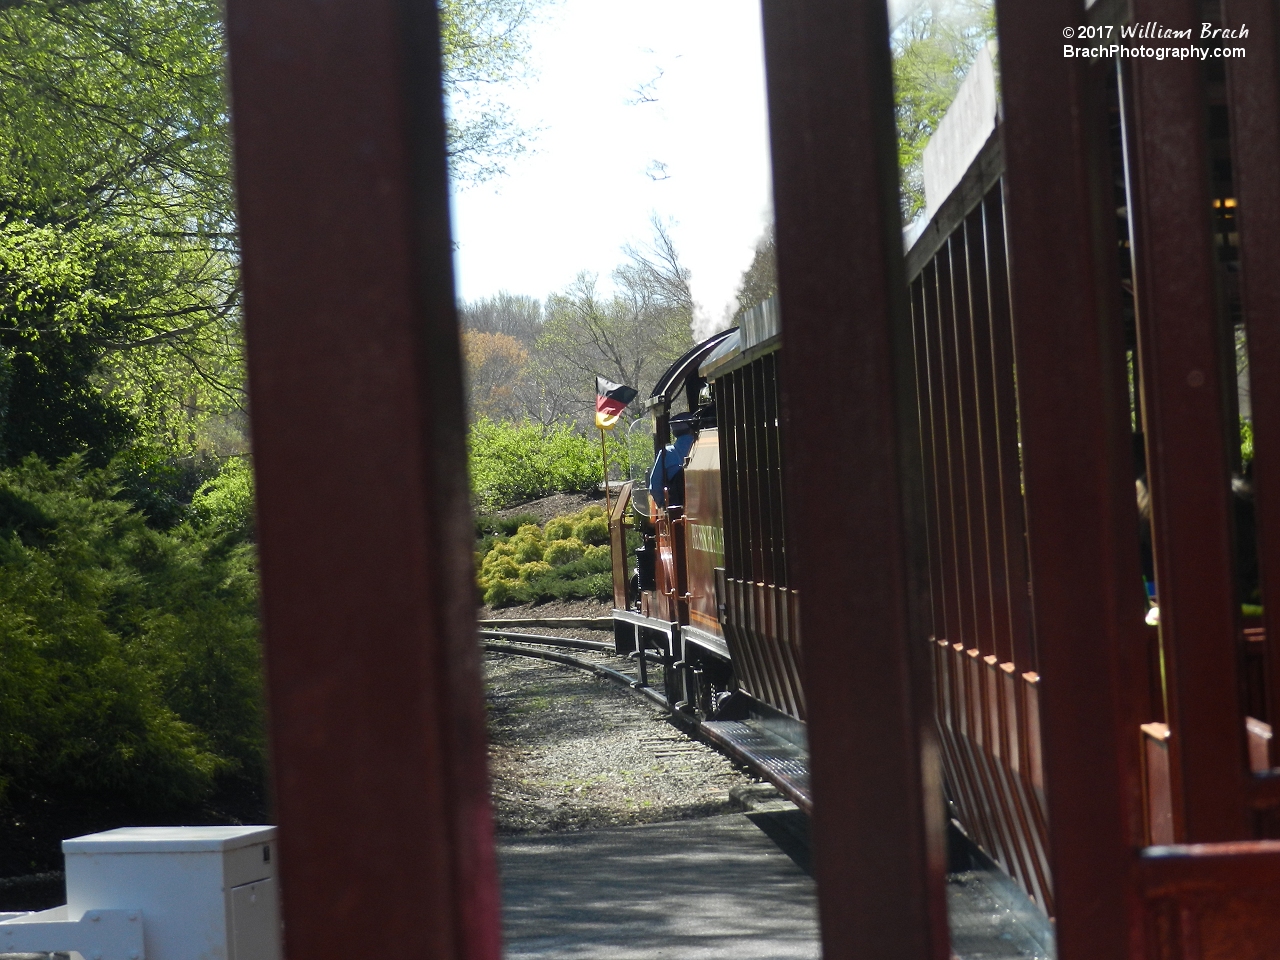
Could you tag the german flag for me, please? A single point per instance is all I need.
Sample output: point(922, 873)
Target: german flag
point(611, 399)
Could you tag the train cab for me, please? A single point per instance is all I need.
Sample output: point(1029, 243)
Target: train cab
point(709, 587)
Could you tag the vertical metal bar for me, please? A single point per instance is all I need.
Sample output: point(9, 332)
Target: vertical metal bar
point(377, 720)
point(1187, 462)
point(949, 556)
point(750, 479)
point(924, 413)
point(1253, 92)
point(878, 840)
point(971, 443)
point(768, 517)
point(957, 462)
point(769, 366)
point(1073, 401)
point(725, 424)
point(1009, 462)
point(733, 520)
point(986, 451)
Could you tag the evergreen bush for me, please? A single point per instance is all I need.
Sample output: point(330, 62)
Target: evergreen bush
point(547, 563)
point(131, 666)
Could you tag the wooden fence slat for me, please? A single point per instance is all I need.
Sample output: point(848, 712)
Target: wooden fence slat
point(1253, 98)
point(1077, 463)
point(365, 537)
point(1179, 350)
point(878, 840)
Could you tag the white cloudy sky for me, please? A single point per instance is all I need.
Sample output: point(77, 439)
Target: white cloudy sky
point(584, 191)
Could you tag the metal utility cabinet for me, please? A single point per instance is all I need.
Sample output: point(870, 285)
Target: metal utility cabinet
point(198, 893)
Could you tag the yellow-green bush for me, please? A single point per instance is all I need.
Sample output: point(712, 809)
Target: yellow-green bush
point(534, 570)
point(497, 566)
point(527, 544)
point(561, 528)
point(498, 593)
point(592, 530)
point(568, 558)
point(560, 552)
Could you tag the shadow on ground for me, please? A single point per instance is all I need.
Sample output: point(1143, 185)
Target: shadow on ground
point(690, 890)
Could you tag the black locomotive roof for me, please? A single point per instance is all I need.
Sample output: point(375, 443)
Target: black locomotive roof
point(679, 371)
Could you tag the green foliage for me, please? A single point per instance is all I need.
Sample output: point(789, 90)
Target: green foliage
point(484, 45)
point(1246, 441)
point(161, 487)
point(560, 552)
point(119, 248)
point(548, 563)
point(131, 658)
point(559, 528)
point(592, 530)
point(503, 526)
point(932, 52)
point(224, 503)
point(515, 462)
point(118, 259)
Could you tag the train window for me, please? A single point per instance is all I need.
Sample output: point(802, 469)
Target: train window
point(639, 441)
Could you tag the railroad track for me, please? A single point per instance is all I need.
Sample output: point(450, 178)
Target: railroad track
point(766, 757)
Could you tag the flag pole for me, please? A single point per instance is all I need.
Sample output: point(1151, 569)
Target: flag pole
point(604, 459)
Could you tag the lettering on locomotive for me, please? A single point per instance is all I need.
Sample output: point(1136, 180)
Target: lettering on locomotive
point(706, 539)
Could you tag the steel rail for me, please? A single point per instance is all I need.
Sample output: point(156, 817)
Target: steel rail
point(690, 726)
point(585, 623)
point(548, 641)
point(600, 670)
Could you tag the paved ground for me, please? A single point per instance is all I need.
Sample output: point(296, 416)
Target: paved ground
point(720, 887)
point(691, 890)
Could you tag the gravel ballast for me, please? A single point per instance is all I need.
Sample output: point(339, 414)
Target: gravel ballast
point(570, 751)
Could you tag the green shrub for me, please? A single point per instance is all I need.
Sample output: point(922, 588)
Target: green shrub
point(498, 566)
point(561, 528)
point(515, 462)
point(560, 552)
point(527, 544)
point(548, 563)
point(592, 530)
point(131, 665)
point(504, 526)
point(225, 503)
point(534, 570)
point(498, 593)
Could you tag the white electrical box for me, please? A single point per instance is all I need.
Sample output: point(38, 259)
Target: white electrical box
point(204, 893)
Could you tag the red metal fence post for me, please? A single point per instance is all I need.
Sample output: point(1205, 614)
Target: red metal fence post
point(377, 724)
point(853, 490)
point(1078, 468)
point(1180, 350)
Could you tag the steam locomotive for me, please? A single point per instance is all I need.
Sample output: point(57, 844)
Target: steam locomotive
point(709, 587)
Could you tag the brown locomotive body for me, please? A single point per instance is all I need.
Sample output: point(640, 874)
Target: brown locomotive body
point(717, 604)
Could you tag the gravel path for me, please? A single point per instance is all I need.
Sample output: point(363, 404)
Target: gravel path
point(568, 751)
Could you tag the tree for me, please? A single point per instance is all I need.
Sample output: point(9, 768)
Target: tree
point(630, 337)
point(485, 44)
point(507, 313)
point(760, 280)
point(932, 50)
point(119, 250)
point(495, 365)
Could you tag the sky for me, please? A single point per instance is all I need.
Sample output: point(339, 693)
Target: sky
point(602, 164)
